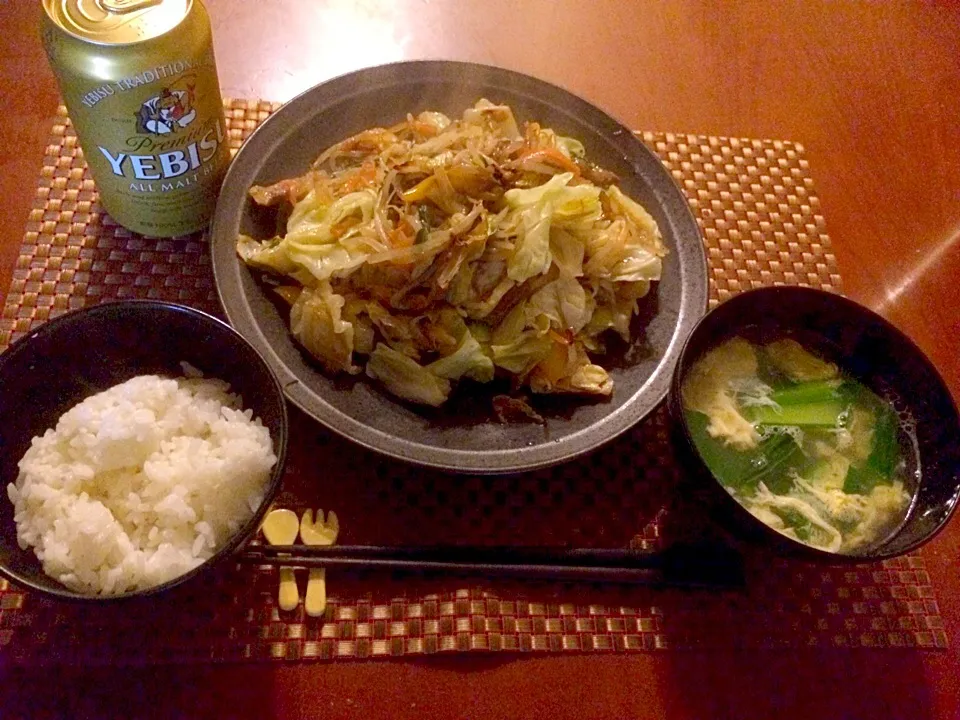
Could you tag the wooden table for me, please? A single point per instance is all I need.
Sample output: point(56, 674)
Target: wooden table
point(869, 89)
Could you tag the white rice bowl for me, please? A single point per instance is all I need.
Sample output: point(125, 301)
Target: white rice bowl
point(141, 483)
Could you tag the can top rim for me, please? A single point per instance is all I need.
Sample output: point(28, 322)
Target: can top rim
point(117, 22)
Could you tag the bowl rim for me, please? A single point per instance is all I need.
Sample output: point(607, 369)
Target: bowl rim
point(730, 505)
point(693, 299)
point(238, 539)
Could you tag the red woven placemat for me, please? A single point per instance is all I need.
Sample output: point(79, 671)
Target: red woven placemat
point(756, 205)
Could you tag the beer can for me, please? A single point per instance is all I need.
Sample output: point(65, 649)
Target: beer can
point(140, 84)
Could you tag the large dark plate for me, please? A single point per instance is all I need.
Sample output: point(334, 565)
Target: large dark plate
point(459, 437)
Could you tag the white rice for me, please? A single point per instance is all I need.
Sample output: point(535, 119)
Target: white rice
point(141, 483)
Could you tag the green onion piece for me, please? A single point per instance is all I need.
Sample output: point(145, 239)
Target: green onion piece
point(808, 392)
point(821, 414)
point(860, 481)
point(883, 458)
point(780, 452)
point(742, 469)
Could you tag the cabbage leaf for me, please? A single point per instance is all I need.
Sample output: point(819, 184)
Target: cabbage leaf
point(567, 369)
point(406, 378)
point(565, 303)
point(528, 348)
point(468, 360)
point(532, 256)
point(316, 322)
point(541, 208)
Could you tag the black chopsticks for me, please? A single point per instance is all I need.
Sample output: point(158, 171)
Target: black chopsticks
point(693, 565)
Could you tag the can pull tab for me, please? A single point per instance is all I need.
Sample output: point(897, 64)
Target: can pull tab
point(124, 6)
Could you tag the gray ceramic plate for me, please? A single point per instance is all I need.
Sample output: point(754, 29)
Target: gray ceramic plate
point(463, 436)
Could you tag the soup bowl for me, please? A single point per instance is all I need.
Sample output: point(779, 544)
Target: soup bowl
point(865, 347)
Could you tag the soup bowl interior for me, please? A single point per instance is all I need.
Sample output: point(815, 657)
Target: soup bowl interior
point(869, 349)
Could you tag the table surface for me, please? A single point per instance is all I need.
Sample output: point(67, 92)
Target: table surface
point(869, 89)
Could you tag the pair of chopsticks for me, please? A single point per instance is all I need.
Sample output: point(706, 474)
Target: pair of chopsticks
point(690, 565)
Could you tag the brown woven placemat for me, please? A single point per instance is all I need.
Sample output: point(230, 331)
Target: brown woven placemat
point(756, 205)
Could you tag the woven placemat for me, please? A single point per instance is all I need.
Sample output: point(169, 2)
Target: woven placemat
point(756, 205)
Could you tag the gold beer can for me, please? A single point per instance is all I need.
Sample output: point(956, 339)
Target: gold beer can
point(139, 81)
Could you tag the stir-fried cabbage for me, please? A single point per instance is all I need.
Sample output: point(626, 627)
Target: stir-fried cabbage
point(439, 250)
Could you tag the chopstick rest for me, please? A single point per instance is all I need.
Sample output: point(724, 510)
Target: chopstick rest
point(280, 528)
point(318, 533)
